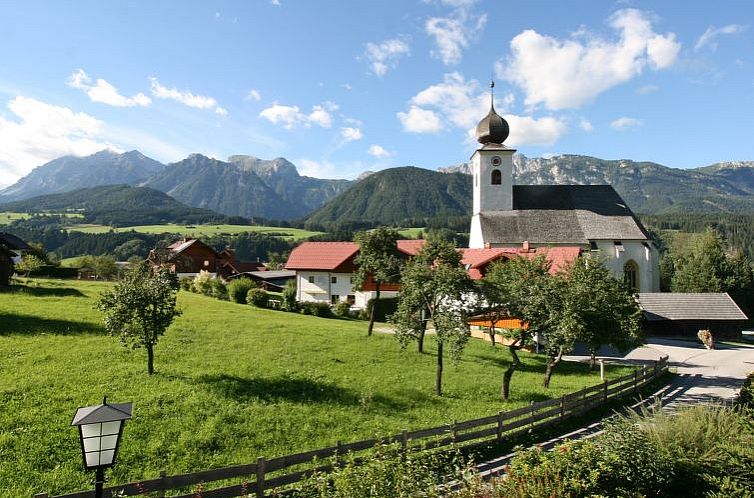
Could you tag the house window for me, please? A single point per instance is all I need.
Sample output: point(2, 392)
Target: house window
point(311, 279)
point(334, 299)
point(618, 248)
point(497, 177)
point(593, 246)
point(351, 299)
point(206, 262)
point(631, 276)
point(333, 280)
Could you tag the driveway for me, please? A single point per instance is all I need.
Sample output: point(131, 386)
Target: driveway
point(703, 375)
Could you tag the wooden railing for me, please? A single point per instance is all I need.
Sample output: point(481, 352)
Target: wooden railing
point(266, 473)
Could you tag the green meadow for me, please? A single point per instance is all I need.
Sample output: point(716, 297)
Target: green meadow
point(232, 383)
point(6, 217)
point(199, 230)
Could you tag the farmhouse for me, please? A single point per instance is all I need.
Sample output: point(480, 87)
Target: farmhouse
point(188, 257)
point(6, 265)
point(591, 217)
point(15, 245)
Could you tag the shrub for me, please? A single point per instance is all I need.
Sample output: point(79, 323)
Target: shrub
point(342, 309)
point(316, 309)
point(706, 337)
point(239, 288)
point(187, 284)
point(257, 297)
point(289, 296)
point(202, 283)
point(218, 289)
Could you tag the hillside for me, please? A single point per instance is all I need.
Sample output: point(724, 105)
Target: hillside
point(70, 173)
point(245, 186)
point(395, 195)
point(118, 205)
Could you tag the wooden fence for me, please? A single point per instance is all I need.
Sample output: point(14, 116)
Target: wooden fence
point(266, 473)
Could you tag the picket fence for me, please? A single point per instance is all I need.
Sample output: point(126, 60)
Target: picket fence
point(266, 472)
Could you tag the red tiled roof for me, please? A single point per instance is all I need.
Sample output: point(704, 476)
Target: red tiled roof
point(476, 259)
point(410, 246)
point(321, 255)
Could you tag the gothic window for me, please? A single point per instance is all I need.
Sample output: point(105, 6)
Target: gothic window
point(497, 177)
point(631, 276)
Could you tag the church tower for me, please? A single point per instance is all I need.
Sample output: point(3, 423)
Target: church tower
point(492, 171)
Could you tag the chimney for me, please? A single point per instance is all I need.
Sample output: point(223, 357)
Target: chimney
point(525, 246)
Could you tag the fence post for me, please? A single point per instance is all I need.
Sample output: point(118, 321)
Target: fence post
point(338, 452)
point(260, 477)
point(161, 493)
point(604, 391)
point(636, 380)
point(454, 431)
point(655, 368)
point(404, 444)
point(562, 407)
point(499, 426)
point(531, 415)
point(644, 374)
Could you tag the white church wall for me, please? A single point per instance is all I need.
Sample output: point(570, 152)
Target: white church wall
point(645, 256)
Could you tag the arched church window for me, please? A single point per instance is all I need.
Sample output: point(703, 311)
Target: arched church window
point(497, 177)
point(631, 275)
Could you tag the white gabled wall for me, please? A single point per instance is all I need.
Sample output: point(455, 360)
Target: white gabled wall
point(646, 259)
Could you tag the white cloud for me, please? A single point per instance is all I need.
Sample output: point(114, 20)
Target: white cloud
point(708, 37)
point(385, 55)
point(103, 92)
point(462, 104)
point(220, 111)
point(625, 123)
point(316, 169)
point(351, 134)
point(568, 73)
point(418, 120)
point(276, 3)
point(456, 32)
point(185, 97)
point(586, 125)
point(291, 116)
point(254, 95)
point(647, 89)
point(42, 132)
point(378, 151)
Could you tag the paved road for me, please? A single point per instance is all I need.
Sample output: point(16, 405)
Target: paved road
point(703, 377)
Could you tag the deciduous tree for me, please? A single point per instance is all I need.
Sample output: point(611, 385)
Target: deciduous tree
point(378, 260)
point(435, 281)
point(140, 307)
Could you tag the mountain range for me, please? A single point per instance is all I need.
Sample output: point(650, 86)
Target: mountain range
point(252, 187)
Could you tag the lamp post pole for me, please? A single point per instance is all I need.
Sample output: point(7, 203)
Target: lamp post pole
point(99, 482)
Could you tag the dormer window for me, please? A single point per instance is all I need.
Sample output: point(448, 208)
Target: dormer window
point(618, 248)
point(497, 177)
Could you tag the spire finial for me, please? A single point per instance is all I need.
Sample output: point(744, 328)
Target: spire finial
point(492, 128)
point(492, 92)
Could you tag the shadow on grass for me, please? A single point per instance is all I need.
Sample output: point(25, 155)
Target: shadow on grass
point(45, 291)
point(31, 324)
point(301, 390)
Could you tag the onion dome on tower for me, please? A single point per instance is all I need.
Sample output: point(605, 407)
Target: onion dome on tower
point(492, 128)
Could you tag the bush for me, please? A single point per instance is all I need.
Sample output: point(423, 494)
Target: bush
point(706, 337)
point(202, 283)
point(342, 309)
point(187, 284)
point(239, 288)
point(289, 296)
point(319, 309)
point(257, 297)
point(218, 289)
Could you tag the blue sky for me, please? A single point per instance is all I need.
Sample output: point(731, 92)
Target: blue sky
point(340, 87)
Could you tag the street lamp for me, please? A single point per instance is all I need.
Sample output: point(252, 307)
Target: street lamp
point(100, 428)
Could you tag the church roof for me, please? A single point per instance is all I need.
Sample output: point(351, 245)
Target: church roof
point(562, 214)
point(689, 306)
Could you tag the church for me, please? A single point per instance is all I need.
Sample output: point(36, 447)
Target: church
point(591, 217)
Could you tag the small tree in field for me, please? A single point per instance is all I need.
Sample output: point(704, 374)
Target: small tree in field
point(28, 264)
point(435, 281)
point(518, 288)
point(379, 259)
point(140, 307)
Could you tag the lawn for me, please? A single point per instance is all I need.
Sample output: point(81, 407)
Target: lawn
point(6, 217)
point(232, 383)
point(199, 230)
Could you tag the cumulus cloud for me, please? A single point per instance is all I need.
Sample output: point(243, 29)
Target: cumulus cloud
point(351, 134)
point(385, 55)
point(290, 116)
point(567, 73)
point(185, 97)
point(378, 151)
point(418, 120)
point(625, 123)
point(39, 132)
point(709, 36)
point(586, 125)
point(459, 103)
point(456, 32)
point(647, 89)
point(254, 95)
point(103, 92)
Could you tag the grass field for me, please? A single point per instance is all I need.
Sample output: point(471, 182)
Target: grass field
point(6, 217)
point(232, 383)
point(199, 230)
